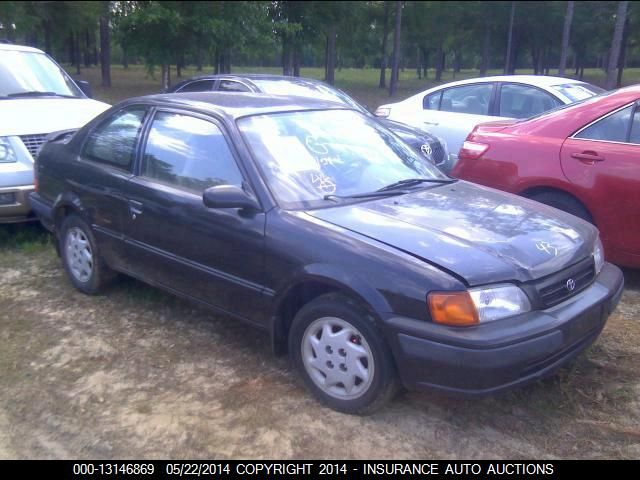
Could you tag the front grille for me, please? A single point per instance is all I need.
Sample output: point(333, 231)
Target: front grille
point(556, 288)
point(437, 153)
point(33, 143)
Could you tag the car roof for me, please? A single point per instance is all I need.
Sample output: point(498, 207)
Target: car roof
point(237, 105)
point(250, 76)
point(537, 80)
point(19, 48)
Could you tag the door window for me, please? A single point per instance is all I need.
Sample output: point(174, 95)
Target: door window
point(470, 99)
point(199, 86)
point(114, 141)
point(432, 101)
point(522, 101)
point(613, 128)
point(635, 128)
point(188, 153)
point(231, 86)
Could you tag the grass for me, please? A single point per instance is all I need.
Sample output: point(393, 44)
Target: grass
point(25, 237)
point(362, 84)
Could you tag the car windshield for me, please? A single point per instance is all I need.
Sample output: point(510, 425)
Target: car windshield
point(312, 159)
point(302, 88)
point(33, 74)
point(578, 91)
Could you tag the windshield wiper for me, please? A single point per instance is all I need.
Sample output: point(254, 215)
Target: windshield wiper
point(364, 195)
point(409, 182)
point(36, 93)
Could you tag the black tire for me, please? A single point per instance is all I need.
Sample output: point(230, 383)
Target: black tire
point(563, 202)
point(377, 389)
point(99, 275)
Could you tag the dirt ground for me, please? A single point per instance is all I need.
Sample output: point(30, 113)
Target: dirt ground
point(136, 373)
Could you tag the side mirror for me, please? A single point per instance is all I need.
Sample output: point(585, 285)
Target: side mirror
point(229, 196)
point(85, 87)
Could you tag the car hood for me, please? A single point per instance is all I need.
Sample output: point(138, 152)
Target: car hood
point(32, 116)
point(480, 234)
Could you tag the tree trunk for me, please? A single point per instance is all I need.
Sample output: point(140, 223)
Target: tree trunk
point(507, 62)
point(297, 54)
point(395, 61)
point(623, 54)
point(385, 34)
point(616, 45)
point(46, 26)
point(331, 54)
point(199, 59)
point(486, 48)
point(439, 63)
point(77, 52)
point(534, 60)
point(72, 48)
point(105, 46)
point(216, 62)
point(87, 49)
point(419, 62)
point(286, 56)
point(166, 76)
point(425, 62)
point(568, 18)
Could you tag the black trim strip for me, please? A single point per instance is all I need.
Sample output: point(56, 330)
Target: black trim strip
point(202, 268)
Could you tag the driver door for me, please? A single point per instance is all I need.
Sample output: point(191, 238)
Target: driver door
point(214, 255)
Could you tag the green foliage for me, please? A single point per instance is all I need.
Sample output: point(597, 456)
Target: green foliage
point(256, 33)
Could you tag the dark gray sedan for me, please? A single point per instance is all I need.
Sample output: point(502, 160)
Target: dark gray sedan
point(315, 223)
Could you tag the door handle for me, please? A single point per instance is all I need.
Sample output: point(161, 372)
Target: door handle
point(587, 156)
point(135, 208)
point(431, 123)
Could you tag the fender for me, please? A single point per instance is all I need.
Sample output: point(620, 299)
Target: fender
point(333, 277)
point(68, 200)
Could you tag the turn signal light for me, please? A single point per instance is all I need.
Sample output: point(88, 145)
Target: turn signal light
point(472, 150)
point(453, 308)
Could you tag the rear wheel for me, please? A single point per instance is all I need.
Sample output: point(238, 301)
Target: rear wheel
point(81, 257)
point(342, 356)
point(563, 202)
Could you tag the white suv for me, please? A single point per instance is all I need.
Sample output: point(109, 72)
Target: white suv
point(37, 97)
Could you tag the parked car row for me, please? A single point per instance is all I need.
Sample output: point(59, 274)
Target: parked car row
point(312, 219)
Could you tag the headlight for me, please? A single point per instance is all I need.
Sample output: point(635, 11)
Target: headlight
point(382, 112)
point(478, 305)
point(7, 154)
point(598, 256)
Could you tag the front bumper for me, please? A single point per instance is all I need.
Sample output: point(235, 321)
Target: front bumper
point(502, 354)
point(15, 205)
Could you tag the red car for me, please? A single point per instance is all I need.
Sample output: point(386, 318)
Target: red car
point(583, 158)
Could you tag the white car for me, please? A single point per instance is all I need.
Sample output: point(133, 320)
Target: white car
point(37, 97)
point(452, 110)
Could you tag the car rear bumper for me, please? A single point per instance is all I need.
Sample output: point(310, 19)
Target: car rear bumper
point(15, 205)
point(503, 354)
point(43, 210)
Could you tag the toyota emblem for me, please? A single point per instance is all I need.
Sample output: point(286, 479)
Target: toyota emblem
point(426, 149)
point(571, 285)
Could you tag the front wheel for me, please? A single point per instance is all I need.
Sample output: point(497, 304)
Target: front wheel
point(342, 356)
